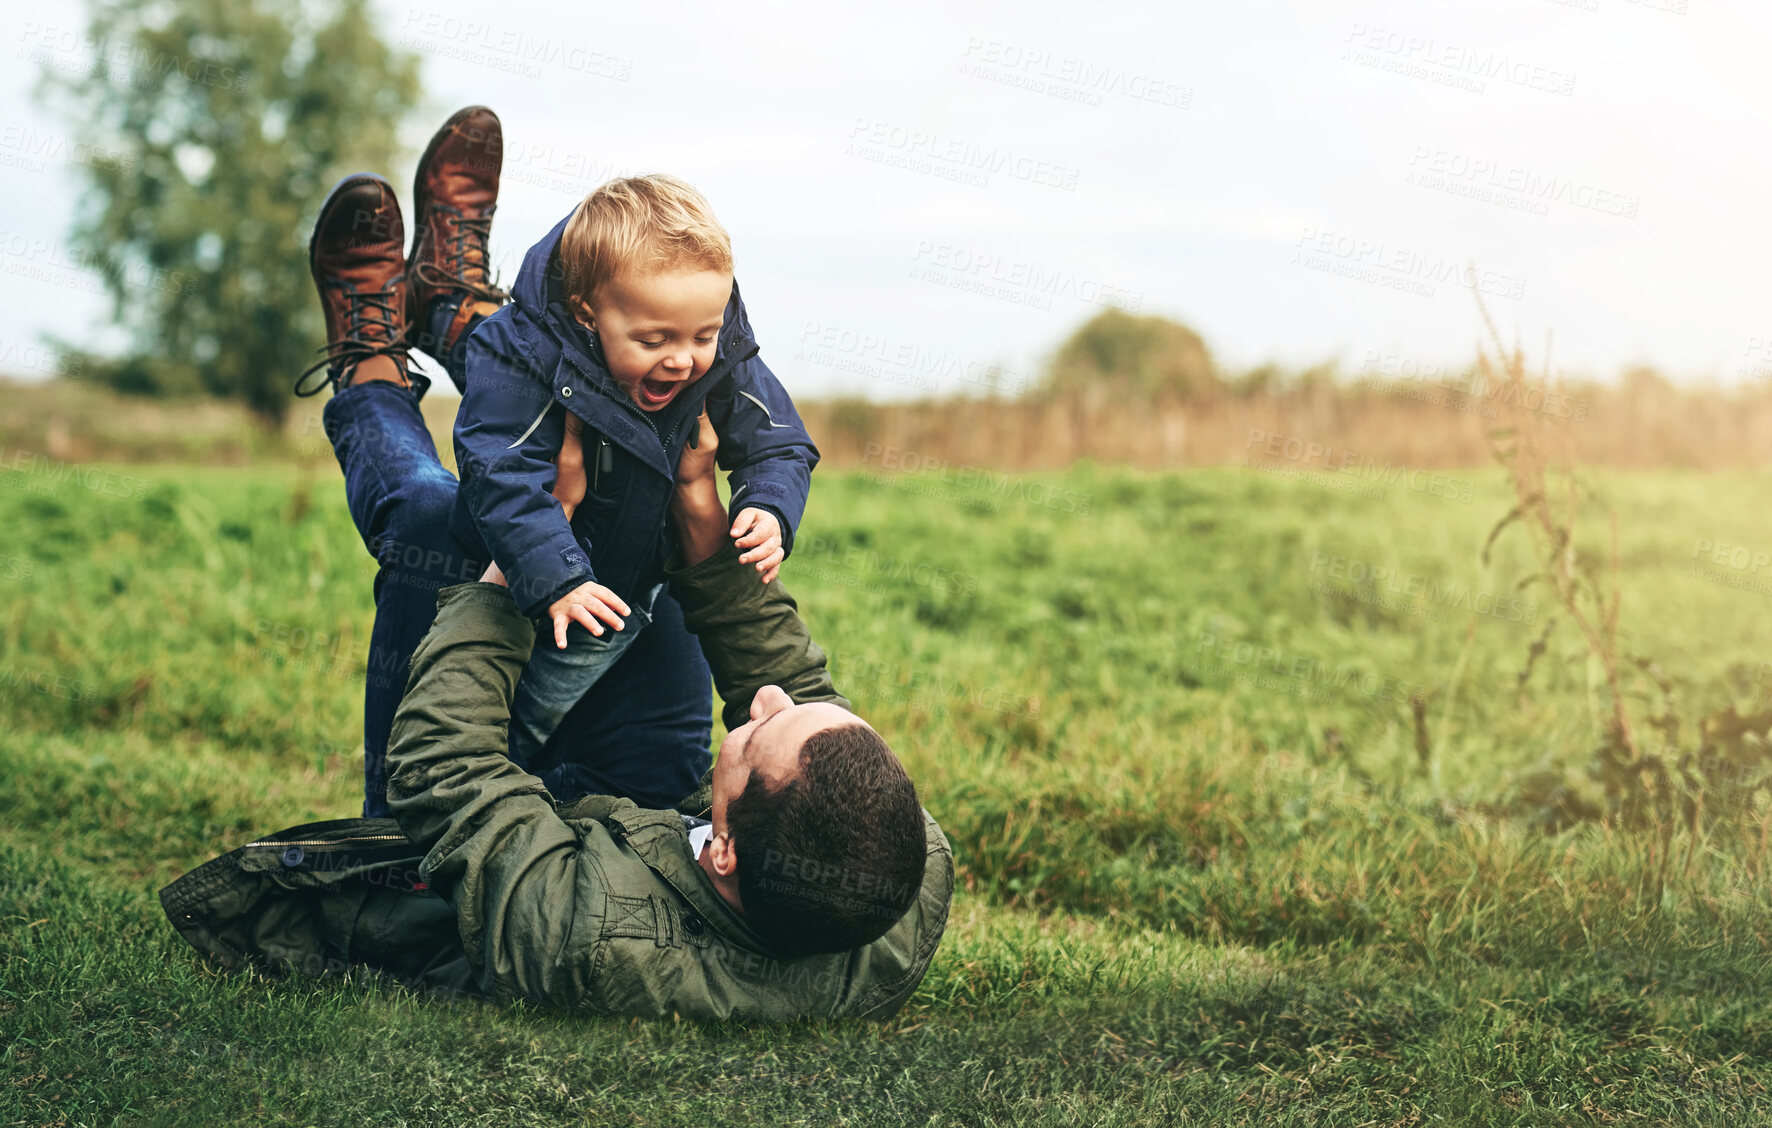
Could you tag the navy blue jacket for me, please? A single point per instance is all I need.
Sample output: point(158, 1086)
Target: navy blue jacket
point(530, 363)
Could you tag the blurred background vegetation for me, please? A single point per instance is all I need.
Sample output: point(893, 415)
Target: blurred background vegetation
point(215, 147)
point(234, 116)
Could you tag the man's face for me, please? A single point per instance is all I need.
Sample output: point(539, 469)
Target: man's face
point(769, 743)
point(659, 331)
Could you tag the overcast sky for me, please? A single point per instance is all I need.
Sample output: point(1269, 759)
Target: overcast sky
point(918, 194)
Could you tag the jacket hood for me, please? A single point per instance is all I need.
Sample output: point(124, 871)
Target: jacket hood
point(531, 288)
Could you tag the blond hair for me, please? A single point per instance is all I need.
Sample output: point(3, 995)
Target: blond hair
point(639, 225)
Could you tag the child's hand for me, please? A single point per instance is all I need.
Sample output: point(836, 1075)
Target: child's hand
point(584, 605)
point(759, 531)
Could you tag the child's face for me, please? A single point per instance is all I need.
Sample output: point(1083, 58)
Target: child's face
point(659, 331)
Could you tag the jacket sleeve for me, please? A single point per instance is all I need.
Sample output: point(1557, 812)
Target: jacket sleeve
point(506, 460)
point(751, 634)
point(494, 846)
point(765, 446)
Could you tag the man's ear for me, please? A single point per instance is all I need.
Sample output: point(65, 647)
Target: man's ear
point(722, 854)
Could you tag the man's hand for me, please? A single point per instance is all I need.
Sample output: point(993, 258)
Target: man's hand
point(759, 531)
point(695, 466)
point(584, 605)
point(569, 477)
point(695, 503)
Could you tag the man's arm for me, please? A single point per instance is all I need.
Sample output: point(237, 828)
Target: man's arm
point(517, 876)
point(751, 633)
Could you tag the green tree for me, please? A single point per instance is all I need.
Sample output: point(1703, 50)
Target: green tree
point(223, 122)
point(1120, 355)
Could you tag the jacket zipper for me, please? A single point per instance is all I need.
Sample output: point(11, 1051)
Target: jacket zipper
point(730, 364)
point(605, 461)
point(334, 841)
point(596, 474)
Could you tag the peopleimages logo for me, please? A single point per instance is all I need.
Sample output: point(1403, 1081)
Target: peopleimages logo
point(37, 149)
point(1451, 64)
point(1268, 450)
point(1526, 188)
point(927, 149)
point(988, 485)
point(1474, 391)
point(46, 682)
point(867, 564)
point(1401, 267)
point(800, 874)
point(883, 357)
point(1298, 674)
point(45, 260)
point(35, 473)
point(1066, 77)
point(506, 47)
point(1744, 565)
point(1409, 588)
point(1736, 556)
point(1022, 283)
point(75, 52)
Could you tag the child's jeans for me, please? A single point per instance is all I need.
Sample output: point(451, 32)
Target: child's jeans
point(556, 679)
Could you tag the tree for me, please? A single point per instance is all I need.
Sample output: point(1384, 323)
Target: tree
point(222, 123)
point(1120, 355)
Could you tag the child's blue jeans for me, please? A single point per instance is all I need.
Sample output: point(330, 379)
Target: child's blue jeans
point(555, 679)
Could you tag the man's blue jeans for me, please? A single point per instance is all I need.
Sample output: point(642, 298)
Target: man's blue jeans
point(642, 731)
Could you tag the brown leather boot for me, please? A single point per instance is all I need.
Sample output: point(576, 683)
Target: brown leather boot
point(355, 257)
point(455, 192)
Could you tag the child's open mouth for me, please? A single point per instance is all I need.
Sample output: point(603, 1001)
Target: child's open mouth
point(657, 393)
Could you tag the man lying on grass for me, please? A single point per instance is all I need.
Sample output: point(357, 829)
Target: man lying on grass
point(801, 878)
point(820, 886)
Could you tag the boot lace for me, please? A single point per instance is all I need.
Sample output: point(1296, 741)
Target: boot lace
point(373, 330)
point(466, 262)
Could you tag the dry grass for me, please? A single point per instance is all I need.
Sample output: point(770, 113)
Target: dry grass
point(1643, 424)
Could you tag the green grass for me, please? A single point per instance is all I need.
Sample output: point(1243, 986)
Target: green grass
point(1205, 875)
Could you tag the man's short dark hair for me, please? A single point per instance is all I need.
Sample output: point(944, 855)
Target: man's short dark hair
point(833, 858)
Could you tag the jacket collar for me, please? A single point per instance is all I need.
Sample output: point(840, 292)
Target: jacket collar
point(662, 842)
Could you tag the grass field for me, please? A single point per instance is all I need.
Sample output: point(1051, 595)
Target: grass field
point(1213, 870)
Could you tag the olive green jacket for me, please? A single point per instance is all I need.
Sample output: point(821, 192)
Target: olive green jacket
point(480, 884)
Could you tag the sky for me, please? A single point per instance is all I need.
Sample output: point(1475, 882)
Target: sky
point(928, 200)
